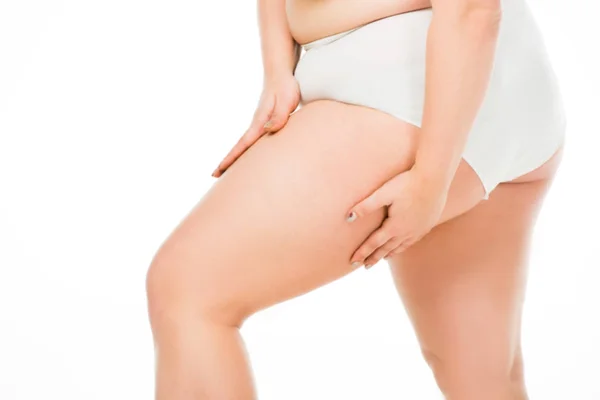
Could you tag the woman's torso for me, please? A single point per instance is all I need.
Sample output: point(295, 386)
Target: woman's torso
point(314, 19)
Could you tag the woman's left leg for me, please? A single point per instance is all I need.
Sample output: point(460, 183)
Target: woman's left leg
point(463, 287)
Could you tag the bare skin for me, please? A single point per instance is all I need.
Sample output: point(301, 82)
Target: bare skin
point(313, 19)
point(282, 206)
point(288, 241)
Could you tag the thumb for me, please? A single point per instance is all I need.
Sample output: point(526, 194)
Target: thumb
point(276, 122)
point(262, 115)
point(278, 118)
point(376, 200)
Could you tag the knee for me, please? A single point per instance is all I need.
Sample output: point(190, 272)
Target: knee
point(178, 290)
point(475, 375)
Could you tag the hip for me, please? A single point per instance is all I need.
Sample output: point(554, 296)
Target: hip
point(382, 64)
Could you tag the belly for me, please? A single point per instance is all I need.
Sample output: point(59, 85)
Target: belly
point(314, 19)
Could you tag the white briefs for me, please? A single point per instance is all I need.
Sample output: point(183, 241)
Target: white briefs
point(381, 65)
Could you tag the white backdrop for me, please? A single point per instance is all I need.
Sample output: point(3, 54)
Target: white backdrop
point(114, 113)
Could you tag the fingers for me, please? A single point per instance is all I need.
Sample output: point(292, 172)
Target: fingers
point(376, 248)
point(395, 251)
point(262, 116)
point(382, 251)
point(254, 132)
point(403, 246)
point(402, 227)
point(365, 254)
point(379, 237)
point(242, 144)
point(376, 200)
point(279, 117)
point(382, 243)
point(276, 122)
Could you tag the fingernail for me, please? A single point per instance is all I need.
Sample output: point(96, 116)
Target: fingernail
point(351, 217)
point(367, 266)
point(268, 125)
point(356, 264)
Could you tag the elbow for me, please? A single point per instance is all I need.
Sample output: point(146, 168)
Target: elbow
point(488, 7)
point(483, 17)
point(484, 14)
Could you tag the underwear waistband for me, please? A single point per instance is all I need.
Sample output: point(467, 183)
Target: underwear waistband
point(327, 39)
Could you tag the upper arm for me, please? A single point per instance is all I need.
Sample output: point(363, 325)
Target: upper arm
point(464, 7)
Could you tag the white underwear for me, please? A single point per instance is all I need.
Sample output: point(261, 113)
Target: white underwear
point(381, 65)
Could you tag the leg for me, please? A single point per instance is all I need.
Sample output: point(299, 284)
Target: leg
point(271, 228)
point(463, 286)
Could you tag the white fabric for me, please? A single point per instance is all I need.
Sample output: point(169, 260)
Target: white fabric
point(381, 65)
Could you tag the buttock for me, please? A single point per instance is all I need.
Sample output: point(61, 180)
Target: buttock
point(521, 122)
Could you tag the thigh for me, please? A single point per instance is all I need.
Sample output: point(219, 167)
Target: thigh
point(273, 226)
point(463, 283)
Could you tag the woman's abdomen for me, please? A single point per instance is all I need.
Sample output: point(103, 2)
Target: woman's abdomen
point(310, 20)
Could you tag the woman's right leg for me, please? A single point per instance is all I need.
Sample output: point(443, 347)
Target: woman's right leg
point(272, 227)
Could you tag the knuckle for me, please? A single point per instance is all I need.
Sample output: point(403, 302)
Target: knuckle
point(374, 200)
point(365, 206)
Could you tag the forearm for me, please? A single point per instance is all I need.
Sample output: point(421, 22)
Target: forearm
point(460, 51)
point(280, 52)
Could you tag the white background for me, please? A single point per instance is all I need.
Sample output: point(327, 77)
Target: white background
point(113, 114)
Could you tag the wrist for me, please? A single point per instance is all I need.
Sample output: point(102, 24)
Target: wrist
point(276, 68)
point(432, 180)
point(276, 77)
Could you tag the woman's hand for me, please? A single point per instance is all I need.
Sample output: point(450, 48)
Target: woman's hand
point(414, 204)
point(279, 98)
